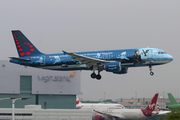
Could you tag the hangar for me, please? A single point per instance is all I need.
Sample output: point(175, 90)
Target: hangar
point(50, 89)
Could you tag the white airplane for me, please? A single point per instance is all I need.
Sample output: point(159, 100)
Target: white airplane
point(131, 113)
point(98, 106)
point(93, 106)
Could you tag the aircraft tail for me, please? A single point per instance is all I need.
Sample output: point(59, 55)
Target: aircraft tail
point(152, 104)
point(23, 45)
point(171, 99)
point(77, 101)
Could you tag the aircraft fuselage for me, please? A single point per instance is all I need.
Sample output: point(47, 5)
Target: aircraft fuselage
point(127, 57)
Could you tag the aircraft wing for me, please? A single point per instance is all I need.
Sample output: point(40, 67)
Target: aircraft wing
point(108, 115)
point(85, 60)
point(163, 112)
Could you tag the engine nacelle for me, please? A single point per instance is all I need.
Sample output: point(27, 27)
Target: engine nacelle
point(113, 66)
point(98, 117)
point(124, 70)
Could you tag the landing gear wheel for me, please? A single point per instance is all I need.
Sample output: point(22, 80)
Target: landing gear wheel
point(93, 75)
point(151, 73)
point(98, 77)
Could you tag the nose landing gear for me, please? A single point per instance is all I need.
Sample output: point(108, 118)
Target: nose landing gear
point(151, 73)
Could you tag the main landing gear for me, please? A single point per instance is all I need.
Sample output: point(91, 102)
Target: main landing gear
point(98, 76)
point(151, 73)
point(93, 75)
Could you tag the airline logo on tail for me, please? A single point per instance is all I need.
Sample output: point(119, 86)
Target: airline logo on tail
point(23, 45)
point(151, 105)
point(150, 108)
point(20, 49)
point(77, 102)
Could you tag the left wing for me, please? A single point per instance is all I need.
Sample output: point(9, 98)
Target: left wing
point(86, 60)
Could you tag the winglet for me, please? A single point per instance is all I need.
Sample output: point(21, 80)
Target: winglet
point(64, 52)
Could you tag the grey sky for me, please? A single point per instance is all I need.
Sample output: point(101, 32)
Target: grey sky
point(81, 25)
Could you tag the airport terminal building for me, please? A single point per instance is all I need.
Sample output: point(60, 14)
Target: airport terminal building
point(48, 88)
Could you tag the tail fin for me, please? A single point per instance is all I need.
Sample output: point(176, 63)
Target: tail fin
point(152, 104)
point(171, 99)
point(23, 45)
point(77, 101)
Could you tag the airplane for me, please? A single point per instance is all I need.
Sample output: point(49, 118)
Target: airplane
point(173, 102)
point(131, 113)
point(80, 105)
point(103, 107)
point(115, 61)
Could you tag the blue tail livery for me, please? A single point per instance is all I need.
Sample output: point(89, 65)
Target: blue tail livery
point(23, 45)
point(115, 61)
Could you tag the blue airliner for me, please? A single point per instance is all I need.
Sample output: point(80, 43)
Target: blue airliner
point(115, 61)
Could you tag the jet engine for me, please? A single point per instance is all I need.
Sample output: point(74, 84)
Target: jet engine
point(113, 67)
point(124, 70)
point(98, 117)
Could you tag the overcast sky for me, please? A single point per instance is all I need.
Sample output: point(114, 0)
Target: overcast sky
point(88, 25)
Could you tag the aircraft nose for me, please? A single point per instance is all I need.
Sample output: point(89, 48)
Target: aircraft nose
point(170, 58)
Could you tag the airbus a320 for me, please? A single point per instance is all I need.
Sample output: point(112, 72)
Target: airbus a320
point(115, 61)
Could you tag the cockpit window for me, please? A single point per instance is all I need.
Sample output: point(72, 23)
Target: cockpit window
point(161, 52)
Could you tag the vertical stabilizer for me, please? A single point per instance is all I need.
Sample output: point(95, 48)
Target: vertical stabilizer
point(24, 46)
point(172, 99)
point(152, 104)
point(77, 101)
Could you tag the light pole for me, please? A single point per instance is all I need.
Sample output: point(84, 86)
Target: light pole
point(104, 97)
point(135, 99)
point(13, 104)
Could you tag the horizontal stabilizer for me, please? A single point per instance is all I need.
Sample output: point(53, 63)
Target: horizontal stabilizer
point(21, 59)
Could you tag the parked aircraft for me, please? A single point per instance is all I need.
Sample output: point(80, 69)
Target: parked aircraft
point(103, 107)
point(115, 61)
point(173, 102)
point(131, 113)
point(92, 106)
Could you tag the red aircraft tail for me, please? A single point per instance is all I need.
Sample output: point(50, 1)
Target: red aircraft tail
point(152, 104)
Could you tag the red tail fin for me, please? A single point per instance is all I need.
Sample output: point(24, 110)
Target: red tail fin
point(77, 100)
point(152, 104)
